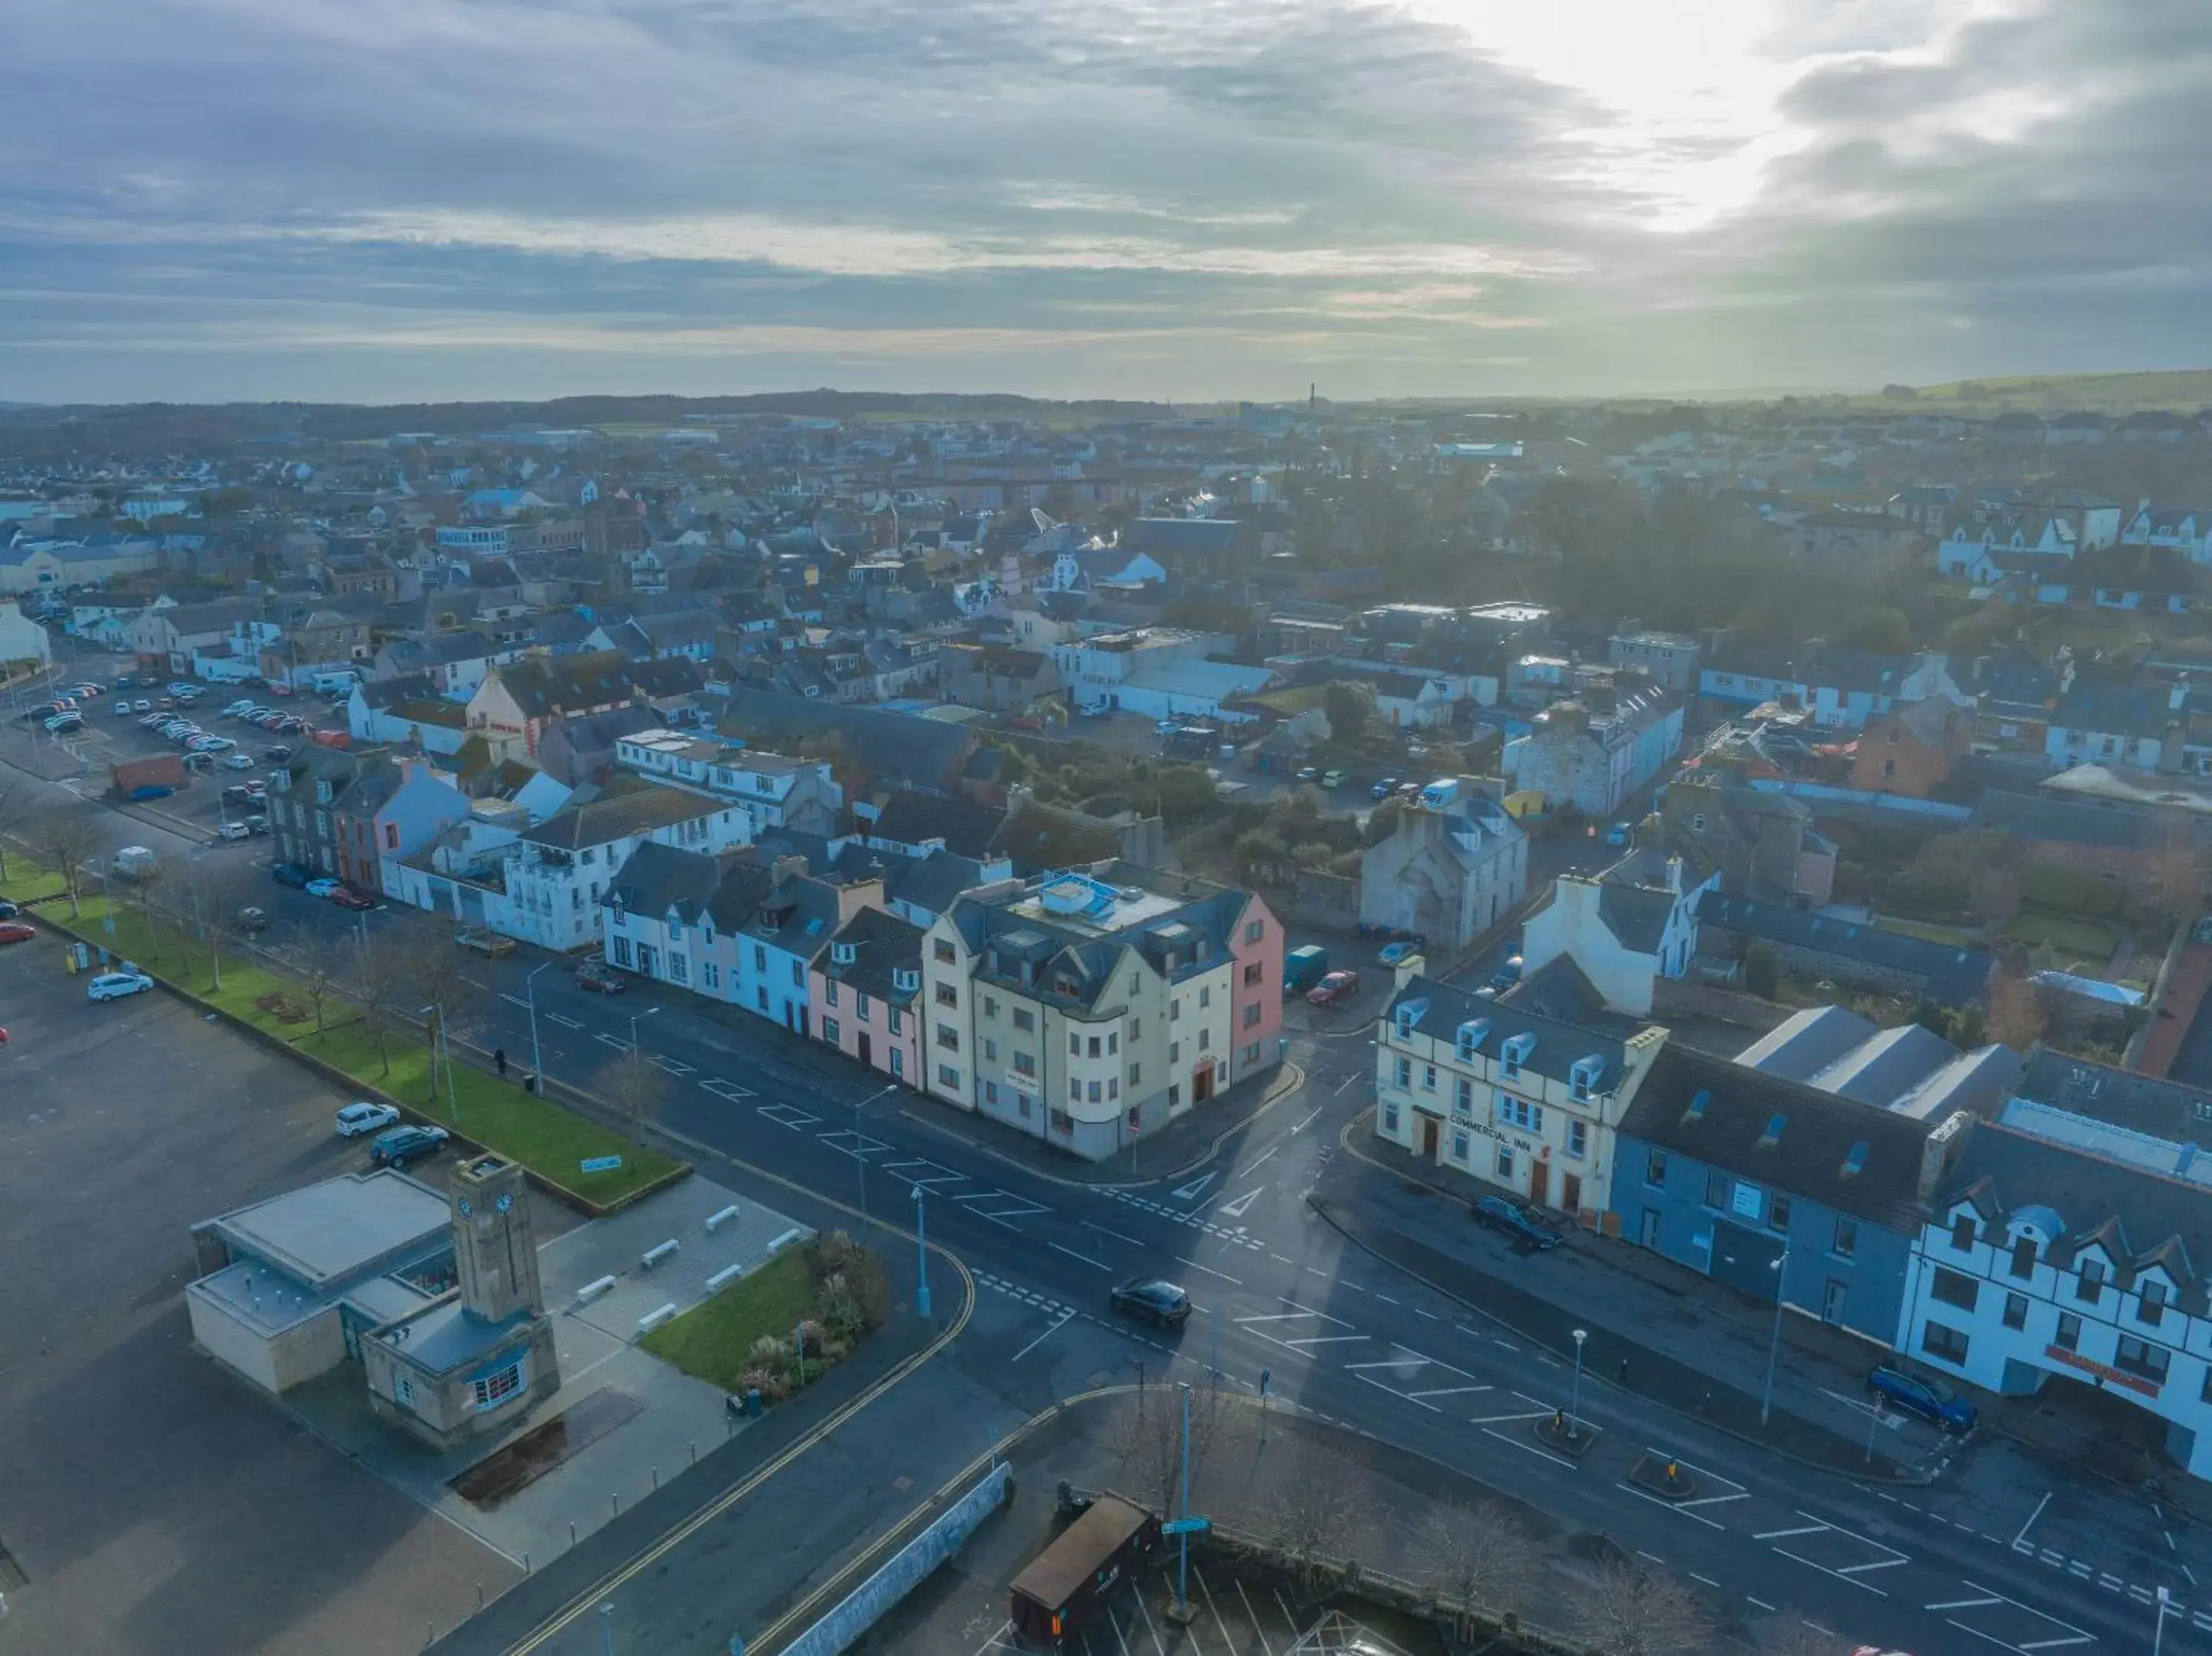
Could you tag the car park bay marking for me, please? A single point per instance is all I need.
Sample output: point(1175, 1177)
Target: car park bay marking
point(673, 1066)
point(614, 1041)
point(786, 1115)
point(857, 1144)
point(939, 1176)
point(727, 1090)
point(565, 1021)
point(999, 1206)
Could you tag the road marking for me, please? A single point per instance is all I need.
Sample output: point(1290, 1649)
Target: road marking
point(728, 1091)
point(514, 999)
point(940, 1177)
point(1761, 1603)
point(859, 1148)
point(1269, 1152)
point(1237, 1206)
point(1197, 1187)
point(1096, 1264)
point(1965, 1603)
point(1308, 1121)
point(2032, 1517)
point(614, 1041)
point(1296, 1310)
point(786, 1115)
point(1770, 1535)
point(1546, 1454)
point(673, 1066)
point(1022, 1208)
point(1210, 1271)
point(1064, 1317)
point(1265, 1648)
point(1707, 1580)
point(1447, 1392)
point(564, 1020)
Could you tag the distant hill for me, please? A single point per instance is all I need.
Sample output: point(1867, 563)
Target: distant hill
point(2182, 390)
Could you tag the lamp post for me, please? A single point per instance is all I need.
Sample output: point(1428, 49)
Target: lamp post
point(1774, 1344)
point(1575, 1397)
point(2158, 1637)
point(530, 993)
point(634, 1017)
point(859, 1154)
point(921, 1276)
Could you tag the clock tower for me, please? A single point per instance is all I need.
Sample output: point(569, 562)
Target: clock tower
point(493, 1249)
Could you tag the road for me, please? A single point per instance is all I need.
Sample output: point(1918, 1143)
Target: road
point(1280, 1294)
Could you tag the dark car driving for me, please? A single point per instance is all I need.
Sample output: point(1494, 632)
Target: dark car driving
point(599, 976)
point(1150, 1300)
point(1502, 1213)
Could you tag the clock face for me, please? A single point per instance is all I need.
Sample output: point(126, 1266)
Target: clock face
point(464, 1205)
point(505, 1201)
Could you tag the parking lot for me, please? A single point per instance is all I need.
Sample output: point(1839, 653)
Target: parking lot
point(150, 1501)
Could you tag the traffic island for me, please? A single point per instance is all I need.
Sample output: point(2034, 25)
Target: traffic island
point(1660, 1475)
point(1566, 1437)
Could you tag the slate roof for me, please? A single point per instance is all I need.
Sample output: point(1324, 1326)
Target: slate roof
point(2066, 822)
point(655, 880)
point(893, 746)
point(1636, 915)
point(1954, 977)
point(1439, 1011)
point(911, 819)
point(881, 943)
point(616, 816)
point(1723, 1114)
point(2141, 1103)
point(543, 688)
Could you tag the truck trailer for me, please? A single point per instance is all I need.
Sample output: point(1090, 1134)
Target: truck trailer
point(1064, 1585)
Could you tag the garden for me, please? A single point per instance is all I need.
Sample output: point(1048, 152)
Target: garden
point(783, 1326)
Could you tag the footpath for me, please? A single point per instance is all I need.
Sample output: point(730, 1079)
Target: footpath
point(1652, 1329)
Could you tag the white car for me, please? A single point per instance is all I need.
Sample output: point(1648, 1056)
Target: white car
point(232, 830)
point(323, 887)
point(235, 709)
point(114, 985)
point(365, 1117)
point(237, 762)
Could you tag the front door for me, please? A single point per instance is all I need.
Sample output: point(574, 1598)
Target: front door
point(1540, 1181)
point(1570, 1193)
point(1202, 1083)
point(1428, 1137)
point(866, 1061)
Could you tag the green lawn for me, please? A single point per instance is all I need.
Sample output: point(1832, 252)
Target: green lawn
point(28, 878)
point(713, 1341)
point(2070, 934)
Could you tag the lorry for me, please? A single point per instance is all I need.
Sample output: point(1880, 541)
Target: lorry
point(1061, 1590)
point(1304, 968)
point(162, 770)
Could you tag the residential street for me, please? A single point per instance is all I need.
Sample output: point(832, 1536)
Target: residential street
point(1993, 1546)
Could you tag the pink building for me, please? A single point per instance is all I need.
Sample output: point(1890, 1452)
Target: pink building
point(863, 987)
point(1257, 943)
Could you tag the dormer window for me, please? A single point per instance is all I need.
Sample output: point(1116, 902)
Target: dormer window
point(843, 954)
point(2150, 1297)
point(905, 978)
point(1469, 1040)
point(1581, 1078)
point(1406, 1017)
point(1962, 1231)
point(2089, 1272)
point(1514, 1054)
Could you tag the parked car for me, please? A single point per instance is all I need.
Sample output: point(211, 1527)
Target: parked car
point(290, 873)
point(277, 754)
point(1309, 773)
point(600, 977)
point(363, 1116)
point(114, 985)
point(237, 762)
point(484, 940)
point(257, 825)
point(1507, 975)
point(142, 705)
point(398, 1146)
point(323, 885)
point(1337, 986)
point(1151, 1300)
point(252, 920)
point(231, 829)
point(10, 911)
point(1332, 780)
point(1930, 1399)
point(1502, 1213)
point(14, 931)
point(1391, 953)
point(1618, 834)
point(346, 898)
point(1383, 789)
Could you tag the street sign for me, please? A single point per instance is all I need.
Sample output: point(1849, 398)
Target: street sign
point(1186, 1526)
point(600, 1164)
point(1266, 1379)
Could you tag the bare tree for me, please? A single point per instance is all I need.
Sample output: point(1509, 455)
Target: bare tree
point(1788, 1634)
point(1479, 1557)
point(318, 964)
point(68, 838)
point(204, 894)
point(634, 1084)
point(1145, 1435)
point(1632, 1612)
point(2168, 883)
point(1320, 1505)
point(2018, 1011)
point(436, 973)
point(380, 985)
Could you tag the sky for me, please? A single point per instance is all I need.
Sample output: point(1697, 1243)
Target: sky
point(399, 200)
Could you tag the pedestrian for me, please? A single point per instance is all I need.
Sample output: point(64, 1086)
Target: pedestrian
point(1624, 1371)
point(499, 1058)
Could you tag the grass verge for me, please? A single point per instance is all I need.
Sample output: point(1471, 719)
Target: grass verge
point(2091, 940)
point(831, 1292)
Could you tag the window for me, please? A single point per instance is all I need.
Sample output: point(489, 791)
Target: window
point(1134, 1076)
point(1390, 1125)
point(1777, 1213)
point(1655, 1167)
point(679, 968)
point(710, 974)
point(2068, 1337)
point(1062, 1122)
point(948, 1076)
point(947, 995)
point(1428, 1078)
point(948, 1038)
point(2091, 1273)
point(1954, 1289)
point(2023, 1256)
point(391, 836)
point(1252, 974)
point(621, 946)
point(830, 992)
point(1174, 1010)
point(898, 1021)
point(1717, 1188)
point(1463, 1098)
point(1962, 1232)
point(1944, 1345)
point(1251, 1014)
point(1074, 1045)
point(1113, 1043)
point(898, 1064)
point(1847, 1236)
point(830, 1030)
point(1205, 996)
point(496, 1387)
point(860, 1006)
point(1459, 1146)
point(1094, 1046)
point(1025, 1064)
point(1519, 1112)
point(990, 1051)
point(2142, 1357)
point(403, 1390)
point(1205, 1040)
point(1136, 1029)
point(2150, 1302)
point(1254, 930)
point(760, 958)
point(1405, 1074)
point(1577, 1139)
point(1024, 1020)
point(942, 949)
point(2016, 1310)
point(1504, 1163)
point(799, 974)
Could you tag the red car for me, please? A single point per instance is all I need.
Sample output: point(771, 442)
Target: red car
point(14, 931)
point(1337, 986)
point(597, 975)
point(346, 898)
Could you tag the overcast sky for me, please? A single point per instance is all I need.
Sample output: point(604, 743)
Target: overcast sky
point(380, 200)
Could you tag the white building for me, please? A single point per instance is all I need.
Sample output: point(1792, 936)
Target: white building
point(20, 638)
point(1624, 928)
point(1096, 670)
point(557, 872)
point(802, 796)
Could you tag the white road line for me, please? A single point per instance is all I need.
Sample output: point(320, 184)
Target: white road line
point(1210, 1271)
point(1646, 1494)
point(1430, 1315)
point(1096, 1264)
point(1447, 1392)
point(1878, 1564)
point(1043, 1337)
point(564, 1020)
point(1761, 1603)
point(1269, 1152)
point(1265, 1648)
point(2051, 1644)
point(1707, 1580)
point(1296, 1310)
point(1965, 1603)
point(1308, 1121)
point(1773, 1535)
point(1282, 1259)
point(1546, 1454)
point(514, 999)
point(2032, 1517)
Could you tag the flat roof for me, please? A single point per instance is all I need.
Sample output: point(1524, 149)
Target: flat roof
point(447, 1335)
point(265, 1300)
point(324, 1233)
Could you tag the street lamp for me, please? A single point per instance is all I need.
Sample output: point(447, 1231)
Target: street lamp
point(648, 1013)
point(921, 1278)
point(1781, 1268)
point(860, 1153)
point(2165, 1604)
point(1575, 1397)
point(530, 992)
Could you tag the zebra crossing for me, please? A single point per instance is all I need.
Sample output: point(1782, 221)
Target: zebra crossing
point(1237, 1238)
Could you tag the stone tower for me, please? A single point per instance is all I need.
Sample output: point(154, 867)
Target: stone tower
point(493, 1249)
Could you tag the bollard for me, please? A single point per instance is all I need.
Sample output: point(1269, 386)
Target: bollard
point(572, 1531)
point(694, 1451)
point(753, 1401)
point(656, 1477)
point(479, 1595)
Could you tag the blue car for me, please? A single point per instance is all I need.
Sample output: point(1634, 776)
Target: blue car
point(1930, 1399)
point(1502, 1213)
point(290, 873)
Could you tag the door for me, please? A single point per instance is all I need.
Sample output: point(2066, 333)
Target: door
point(1202, 1083)
point(1648, 1229)
point(1570, 1193)
point(1540, 1181)
point(1428, 1137)
point(1832, 1297)
point(898, 1062)
point(866, 1062)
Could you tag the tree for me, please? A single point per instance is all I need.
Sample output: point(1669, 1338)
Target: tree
point(16, 803)
point(1144, 1437)
point(68, 838)
point(1993, 895)
point(317, 962)
point(1762, 973)
point(1187, 795)
point(1348, 707)
point(1320, 1505)
point(1480, 1557)
point(1633, 1611)
point(2019, 1013)
point(1790, 1635)
point(379, 985)
point(435, 974)
point(205, 894)
point(633, 1083)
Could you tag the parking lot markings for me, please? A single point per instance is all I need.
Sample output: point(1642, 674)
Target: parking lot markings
point(728, 1091)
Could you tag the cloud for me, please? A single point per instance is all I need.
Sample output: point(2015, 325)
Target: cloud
point(208, 197)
